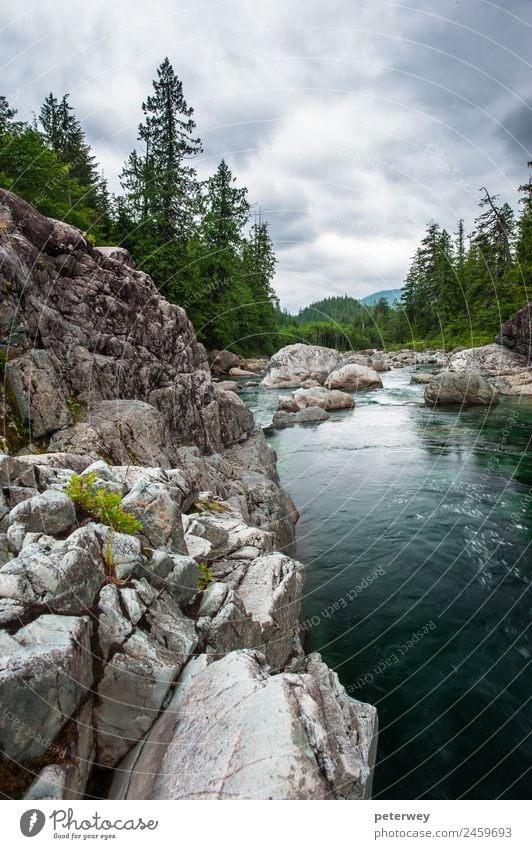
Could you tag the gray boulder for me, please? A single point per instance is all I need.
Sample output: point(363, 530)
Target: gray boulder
point(324, 741)
point(308, 415)
point(51, 512)
point(45, 672)
point(296, 363)
point(354, 378)
point(319, 396)
point(37, 391)
point(449, 387)
point(150, 502)
point(236, 420)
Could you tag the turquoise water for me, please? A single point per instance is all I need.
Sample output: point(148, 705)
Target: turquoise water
point(415, 530)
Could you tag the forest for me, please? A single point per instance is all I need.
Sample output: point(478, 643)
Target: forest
point(197, 240)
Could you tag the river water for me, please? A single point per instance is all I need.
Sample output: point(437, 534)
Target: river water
point(415, 532)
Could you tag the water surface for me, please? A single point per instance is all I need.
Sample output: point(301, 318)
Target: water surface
point(415, 530)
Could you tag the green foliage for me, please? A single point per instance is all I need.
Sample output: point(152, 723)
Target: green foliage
point(205, 576)
point(76, 409)
point(209, 505)
point(101, 503)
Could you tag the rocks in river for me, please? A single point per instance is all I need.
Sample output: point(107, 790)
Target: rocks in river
point(296, 363)
point(516, 333)
point(324, 741)
point(465, 388)
point(236, 371)
point(319, 396)
point(45, 672)
point(307, 415)
point(227, 385)
point(354, 378)
point(421, 378)
point(236, 420)
point(506, 370)
point(222, 361)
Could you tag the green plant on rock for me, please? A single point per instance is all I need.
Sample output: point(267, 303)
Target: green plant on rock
point(210, 505)
point(205, 576)
point(75, 408)
point(101, 503)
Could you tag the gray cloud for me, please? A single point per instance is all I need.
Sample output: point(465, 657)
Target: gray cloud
point(351, 124)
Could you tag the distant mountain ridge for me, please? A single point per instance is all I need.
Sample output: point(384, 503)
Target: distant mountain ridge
point(390, 295)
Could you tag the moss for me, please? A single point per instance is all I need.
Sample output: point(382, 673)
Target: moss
point(210, 505)
point(76, 410)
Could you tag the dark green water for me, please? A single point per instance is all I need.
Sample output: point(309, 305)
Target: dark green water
point(415, 530)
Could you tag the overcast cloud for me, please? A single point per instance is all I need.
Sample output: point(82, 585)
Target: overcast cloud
point(351, 122)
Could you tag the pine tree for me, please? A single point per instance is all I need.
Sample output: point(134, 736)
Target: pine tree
point(168, 182)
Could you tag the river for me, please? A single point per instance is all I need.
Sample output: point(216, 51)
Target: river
point(415, 532)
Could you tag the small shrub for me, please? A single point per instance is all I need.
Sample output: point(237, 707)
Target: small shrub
point(205, 576)
point(101, 503)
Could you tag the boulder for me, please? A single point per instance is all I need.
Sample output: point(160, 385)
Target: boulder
point(45, 672)
point(236, 371)
point(227, 385)
point(38, 392)
point(135, 683)
point(324, 741)
point(516, 333)
point(354, 378)
point(236, 420)
point(449, 387)
point(296, 363)
point(488, 360)
point(118, 254)
point(421, 378)
point(319, 396)
point(150, 502)
point(308, 415)
point(222, 361)
point(51, 512)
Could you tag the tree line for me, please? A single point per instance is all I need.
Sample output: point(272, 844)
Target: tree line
point(459, 288)
point(194, 237)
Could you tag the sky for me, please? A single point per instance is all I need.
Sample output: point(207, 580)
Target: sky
point(352, 122)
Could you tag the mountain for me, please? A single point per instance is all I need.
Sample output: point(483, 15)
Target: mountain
point(391, 295)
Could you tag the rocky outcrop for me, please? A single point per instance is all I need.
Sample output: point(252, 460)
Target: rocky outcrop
point(464, 388)
point(294, 364)
point(79, 327)
point(105, 631)
point(516, 333)
point(323, 739)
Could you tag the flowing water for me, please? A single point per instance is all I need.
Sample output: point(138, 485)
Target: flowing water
point(415, 532)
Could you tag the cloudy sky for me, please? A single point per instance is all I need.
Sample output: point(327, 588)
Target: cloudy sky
point(351, 122)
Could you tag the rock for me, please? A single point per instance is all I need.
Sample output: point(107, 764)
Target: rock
point(257, 365)
point(118, 254)
point(324, 741)
point(465, 388)
point(42, 681)
point(182, 580)
point(516, 333)
point(379, 364)
point(318, 396)
point(150, 503)
point(227, 385)
point(124, 431)
point(297, 363)
point(38, 393)
point(357, 359)
point(354, 378)
point(289, 405)
point(421, 378)
point(49, 513)
point(69, 780)
point(63, 576)
point(488, 360)
point(113, 626)
point(240, 372)
point(222, 361)
point(236, 420)
point(308, 415)
point(135, 683)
